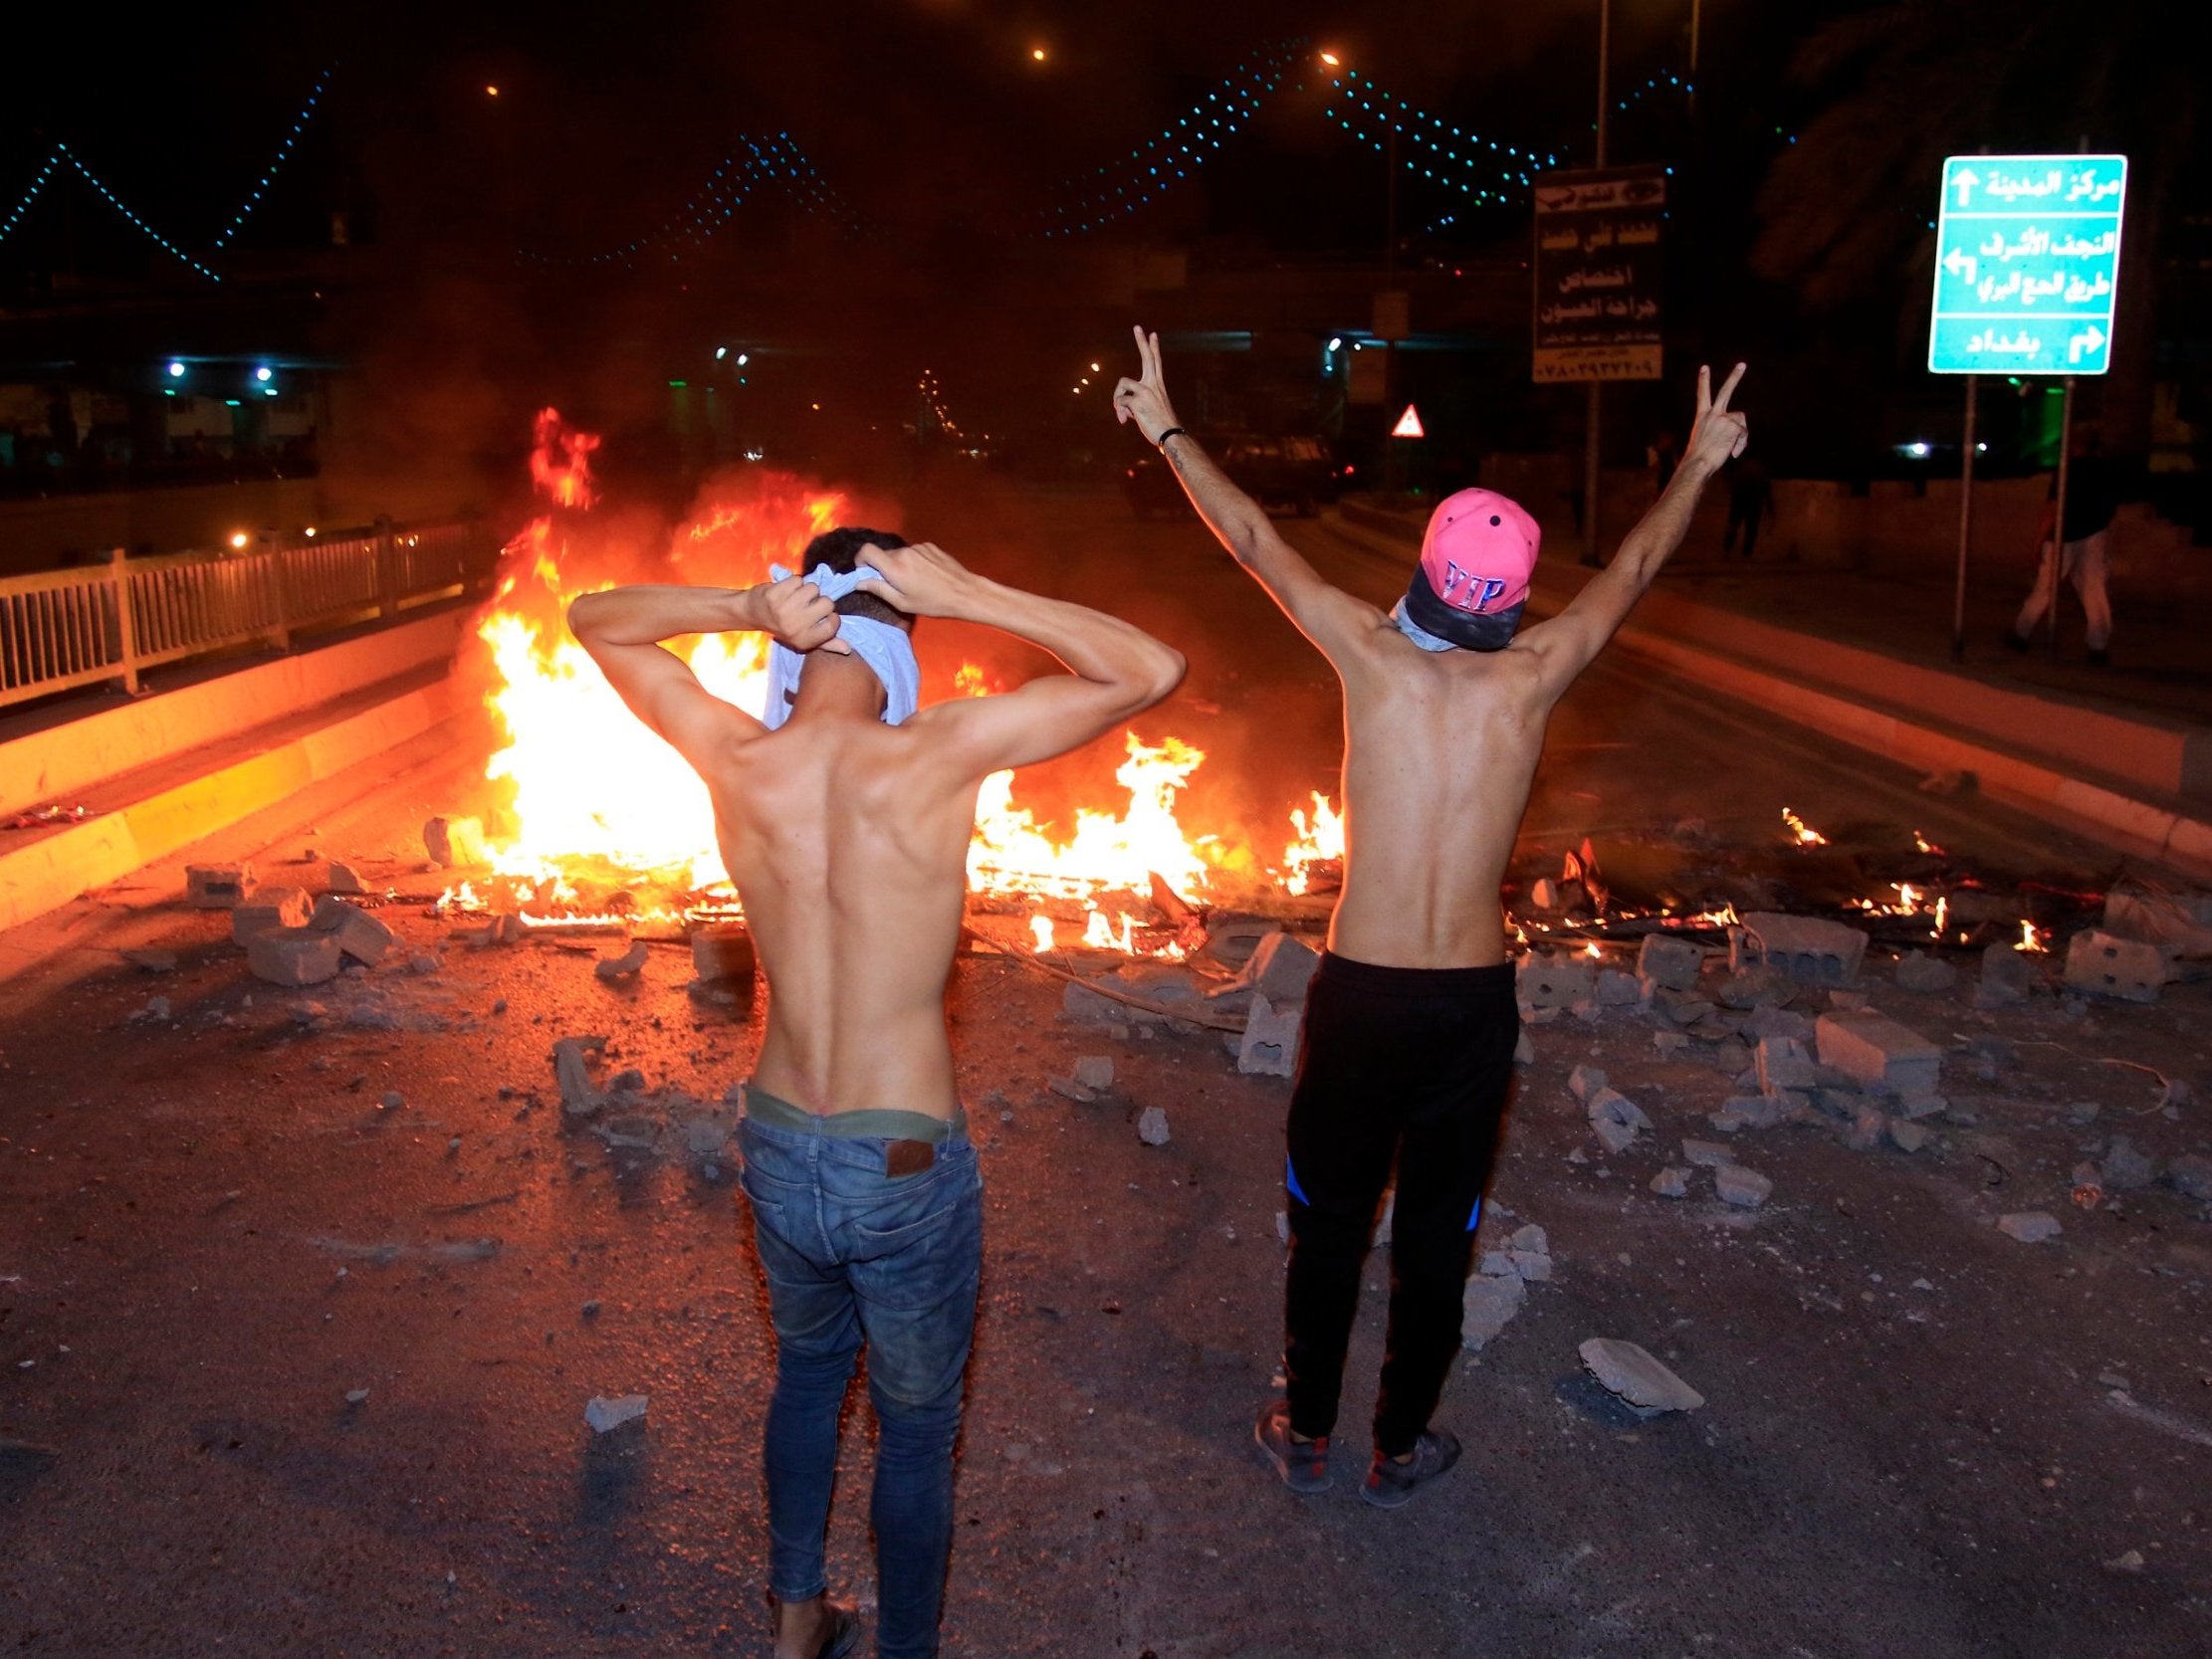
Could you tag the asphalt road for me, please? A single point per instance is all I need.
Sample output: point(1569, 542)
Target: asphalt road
point(1921, 1438)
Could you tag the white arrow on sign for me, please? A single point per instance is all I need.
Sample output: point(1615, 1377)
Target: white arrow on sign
point(1961, 264)
point(2089, 340)
point(1966, 181)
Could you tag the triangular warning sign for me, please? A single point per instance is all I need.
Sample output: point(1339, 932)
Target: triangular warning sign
point(1409, 424)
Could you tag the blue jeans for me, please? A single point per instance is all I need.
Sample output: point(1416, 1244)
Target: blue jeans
point(851, 1254)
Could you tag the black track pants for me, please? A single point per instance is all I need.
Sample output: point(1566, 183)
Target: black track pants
point(1396, 1064)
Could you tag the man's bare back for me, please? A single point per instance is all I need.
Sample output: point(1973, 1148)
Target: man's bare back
point(847, 838)
point(1441, 748)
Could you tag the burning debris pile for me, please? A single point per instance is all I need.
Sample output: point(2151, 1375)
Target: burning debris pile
point(593, 825)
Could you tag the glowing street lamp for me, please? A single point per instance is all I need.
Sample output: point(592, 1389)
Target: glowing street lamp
point(1332, 60)
point(1036, 53)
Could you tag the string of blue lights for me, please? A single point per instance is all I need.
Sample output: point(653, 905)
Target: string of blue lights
point(54, 160)
point(269, 173)
point(1455, 157)
point(1189, 142)
point(115, 201)
point(775, 160)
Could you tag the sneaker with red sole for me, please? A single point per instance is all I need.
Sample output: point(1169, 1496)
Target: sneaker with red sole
point(1391, 1483)
point(1302, 1464)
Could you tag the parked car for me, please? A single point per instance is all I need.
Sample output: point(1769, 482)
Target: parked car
point(1299, 474)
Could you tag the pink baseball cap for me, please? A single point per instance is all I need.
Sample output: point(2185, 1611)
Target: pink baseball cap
point(1472, 579)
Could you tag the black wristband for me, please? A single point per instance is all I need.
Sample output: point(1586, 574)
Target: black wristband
point(1161, 442)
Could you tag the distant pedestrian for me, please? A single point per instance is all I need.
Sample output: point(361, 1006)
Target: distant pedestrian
point(1751, 503)
point(2091, 500)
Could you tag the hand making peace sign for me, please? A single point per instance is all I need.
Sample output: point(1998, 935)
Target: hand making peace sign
point(1145, 399)
point(1720, 432)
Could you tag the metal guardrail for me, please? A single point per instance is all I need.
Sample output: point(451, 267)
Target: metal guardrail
point(61, 629)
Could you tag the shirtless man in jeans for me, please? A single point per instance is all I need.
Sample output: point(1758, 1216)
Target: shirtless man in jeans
point(847, 838)
point(1410, 1020)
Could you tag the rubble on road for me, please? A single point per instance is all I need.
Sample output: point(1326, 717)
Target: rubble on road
point(2179, 922)
point(1806, 949)
point(342, 878)
point(2030, 1226)
point(1876, 1052)
point(2098, 964)
point(1614, 1118)
point(1745, 1188)
point(1615, 989)
point(2008, 978)
point(1152, 1126)
point(1665, 962)
point(451, 842)
point(1783, 1063)
point(579, 1097)
point(2190, 1175)
point(1282, 967)
point(1671, 1182)
point(1545, 980)
point(152, 961)
point(1094, 1071)
point(722, 950)
point(628, 965)
point(1922, 971)
point(269, 906)
point(606, 1414)
point(361, 936)
point(1488, 1306)
point(1583, 1081)
point(1707, 1154)
point(216, 887)
point(1630, 1372)
point(293, 956)
point(1068, 1089)
point(1269, 1046)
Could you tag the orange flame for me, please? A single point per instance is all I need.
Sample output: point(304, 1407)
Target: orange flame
point(1805, 834)
point(1314, 843)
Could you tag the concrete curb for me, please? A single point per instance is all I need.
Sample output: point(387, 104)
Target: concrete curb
point(2027, 781)
point(61, 760)
point(52, 871)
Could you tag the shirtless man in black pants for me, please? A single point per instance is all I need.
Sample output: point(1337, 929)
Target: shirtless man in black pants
point(1410, 1022)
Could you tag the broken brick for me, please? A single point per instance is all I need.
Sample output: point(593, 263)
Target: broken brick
point(293, 956)
point(1745, 1188)
point(270, 906)
point(362, 937)
point(1878, 1052)
point(216, 887)
point(1544, 981)
point(1270, 1043)
point(722, 950)
point(1672, 962)
point(1281, 968)
point(1807, 950)
point(2098, 964)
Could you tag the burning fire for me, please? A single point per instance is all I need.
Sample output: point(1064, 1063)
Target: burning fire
point(2030, 939)
point(1314, 843)
point(1805, 834)
point(586, 788)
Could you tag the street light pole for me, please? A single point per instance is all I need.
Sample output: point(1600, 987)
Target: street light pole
point(1390, 281)
point(1591, 417)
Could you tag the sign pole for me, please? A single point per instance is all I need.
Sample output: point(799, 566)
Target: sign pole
point(1593, 418)
point(1965, 524)
point(2058, 513)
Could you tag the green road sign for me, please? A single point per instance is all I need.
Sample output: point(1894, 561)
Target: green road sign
point(2027, 263)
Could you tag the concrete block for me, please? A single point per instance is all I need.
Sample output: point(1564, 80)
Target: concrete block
point(1585, 1081)
point(1629, 1371)
point(1707, 1154)
point(1777, 1022)
point(362, 937)
point(1094, 1071)
point(1758, 988)
point(1878, 1052)
point(1672, 963)
point(1524, 1050)
point(217, 887)
point(1754, 1112)
point(2098, 964)
point(1908, 1136)
point(722, 950)
point(1614, 1118)
point(2009, 976)
point(1679, 1006)
point(342, 878)
point(2030, 1226)
point(1270, 1045)
point(1920, 971)
point(1783, 1064)
point(1488, 1305)
point(1744, 1188)
point(1671, 1182)
point(453, 842)
point(1808, 950)
point(270, 906)
point(293, 956)
point(2126, 1167)
point(1281, 968)
point(1614, 990)
point(1543, 980)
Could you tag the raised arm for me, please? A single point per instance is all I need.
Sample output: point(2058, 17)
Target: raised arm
point(1565, 645)
point(1333, 620)
point(622, 628)
point(1115, 671)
